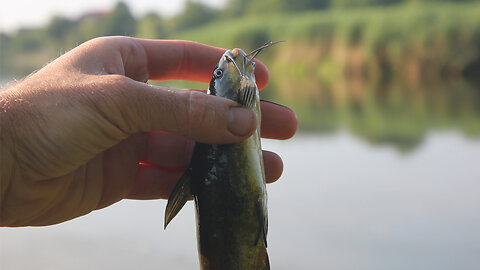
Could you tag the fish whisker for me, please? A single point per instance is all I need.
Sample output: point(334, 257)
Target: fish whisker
point(235, 64)
point(261, 48)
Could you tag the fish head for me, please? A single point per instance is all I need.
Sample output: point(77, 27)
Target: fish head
point(233, 77)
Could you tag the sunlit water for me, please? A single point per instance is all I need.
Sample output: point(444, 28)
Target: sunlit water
point(340, 204)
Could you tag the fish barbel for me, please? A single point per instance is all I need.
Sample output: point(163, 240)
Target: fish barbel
point(228, 181)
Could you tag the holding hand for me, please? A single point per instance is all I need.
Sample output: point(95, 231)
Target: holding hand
point(72, 134)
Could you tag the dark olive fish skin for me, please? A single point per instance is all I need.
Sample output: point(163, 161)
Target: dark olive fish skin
point(228, 182)
point(230, 203)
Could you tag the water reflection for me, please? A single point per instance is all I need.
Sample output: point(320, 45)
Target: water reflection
point(395, 114)
point(399, 114)
point(341, 204)
point(345, 204)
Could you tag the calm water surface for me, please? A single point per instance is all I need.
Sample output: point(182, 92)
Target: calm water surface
point(341, 204)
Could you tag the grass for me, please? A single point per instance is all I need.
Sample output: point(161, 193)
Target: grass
point(378, 72)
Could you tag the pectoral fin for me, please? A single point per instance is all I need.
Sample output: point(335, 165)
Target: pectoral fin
point(263, 224)
point(179, 196)
point(248, 91)
point(263, 262)
point(267, 261)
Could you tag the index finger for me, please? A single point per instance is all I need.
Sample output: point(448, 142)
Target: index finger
point(188, 60)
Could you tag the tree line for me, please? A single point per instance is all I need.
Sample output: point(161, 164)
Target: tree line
point(28, 48)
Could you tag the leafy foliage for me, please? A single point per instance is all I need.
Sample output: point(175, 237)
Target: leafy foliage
point(194, 14)
point(120, 22)
point(387, 70)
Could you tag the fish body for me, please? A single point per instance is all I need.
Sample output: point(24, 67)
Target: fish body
point(228, 181)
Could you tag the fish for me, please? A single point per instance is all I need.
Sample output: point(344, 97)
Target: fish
point(227, 181)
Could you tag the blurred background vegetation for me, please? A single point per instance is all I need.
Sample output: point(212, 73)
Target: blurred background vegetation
point(389, 71)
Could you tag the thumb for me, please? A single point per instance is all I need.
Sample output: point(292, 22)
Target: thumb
point(140, 107)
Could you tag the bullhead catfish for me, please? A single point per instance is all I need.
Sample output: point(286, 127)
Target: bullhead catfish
point(228, 181)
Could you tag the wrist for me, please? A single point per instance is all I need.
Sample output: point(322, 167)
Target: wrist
point(8, 166)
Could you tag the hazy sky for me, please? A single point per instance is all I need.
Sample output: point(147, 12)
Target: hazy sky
point(21, 13)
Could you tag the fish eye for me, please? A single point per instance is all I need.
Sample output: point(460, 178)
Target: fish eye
point(218, 73)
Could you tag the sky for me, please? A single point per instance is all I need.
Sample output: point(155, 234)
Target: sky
point(15, 14)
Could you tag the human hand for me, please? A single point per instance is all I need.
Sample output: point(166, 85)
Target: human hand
point(72, 134)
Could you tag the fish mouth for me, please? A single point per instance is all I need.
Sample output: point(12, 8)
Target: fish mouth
point(231, 56)
point(236, 52)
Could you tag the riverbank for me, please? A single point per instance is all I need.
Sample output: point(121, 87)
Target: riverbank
point(388, 74)
point(412, 42)
point(415, 43)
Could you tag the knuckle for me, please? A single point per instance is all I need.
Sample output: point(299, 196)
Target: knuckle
point(116, 85)
point(202, 115)
point(113, 86)
point(99, 41)
point(115, 80)
point(112, 97)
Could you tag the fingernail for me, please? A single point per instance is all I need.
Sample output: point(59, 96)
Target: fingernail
point(240, 121)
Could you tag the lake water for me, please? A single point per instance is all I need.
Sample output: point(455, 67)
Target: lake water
point(341, 203)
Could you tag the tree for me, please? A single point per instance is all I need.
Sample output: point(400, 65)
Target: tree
point(357, 3)
point(236, 8)
point(194, 14)
point(151, 26)
point(5, 55)
point(59, 27)
point(120, 21)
